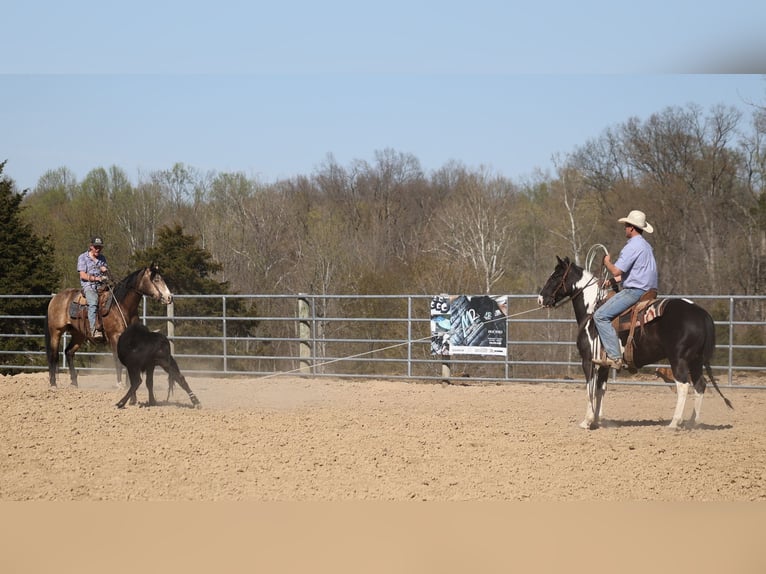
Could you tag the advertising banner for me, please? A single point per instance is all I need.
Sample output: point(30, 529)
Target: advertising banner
point(466, 325)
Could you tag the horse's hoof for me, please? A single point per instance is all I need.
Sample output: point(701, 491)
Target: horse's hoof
point(588, 425)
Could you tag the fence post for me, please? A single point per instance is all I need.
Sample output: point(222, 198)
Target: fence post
point(409, 336)
point(225, 334)
point(304, 335)
point(731, 337)
point(171, 326)
point(446, 370)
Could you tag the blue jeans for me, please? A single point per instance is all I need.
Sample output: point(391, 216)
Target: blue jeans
point(91, 296)
point(608, 311)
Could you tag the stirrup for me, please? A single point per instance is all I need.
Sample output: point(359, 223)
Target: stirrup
point(607, 362)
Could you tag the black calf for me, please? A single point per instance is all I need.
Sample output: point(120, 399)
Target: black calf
point(140, 350)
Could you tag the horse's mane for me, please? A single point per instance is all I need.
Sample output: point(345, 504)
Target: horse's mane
point(124, 286)
point(583, 280)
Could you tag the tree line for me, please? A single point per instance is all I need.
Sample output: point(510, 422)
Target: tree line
point(386, 226)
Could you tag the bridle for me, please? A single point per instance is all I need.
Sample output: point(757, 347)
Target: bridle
point(157, 293)
point(132, 288)
point(562, 286)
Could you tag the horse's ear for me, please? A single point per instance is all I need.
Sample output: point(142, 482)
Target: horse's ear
point(566, 260)
point(559, 260)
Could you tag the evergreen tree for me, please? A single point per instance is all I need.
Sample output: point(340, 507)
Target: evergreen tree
point(186, 267)
point(26, 261)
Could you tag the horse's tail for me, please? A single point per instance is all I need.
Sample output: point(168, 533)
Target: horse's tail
point(51, 355)
point(48, 350)
point(707, 356)
point(174, 373)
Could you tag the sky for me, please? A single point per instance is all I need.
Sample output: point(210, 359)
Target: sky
point(273, 91)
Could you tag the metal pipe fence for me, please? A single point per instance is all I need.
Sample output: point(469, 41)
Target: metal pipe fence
point(371, 336)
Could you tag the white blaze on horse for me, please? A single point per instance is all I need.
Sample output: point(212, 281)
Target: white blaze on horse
point(672, 329)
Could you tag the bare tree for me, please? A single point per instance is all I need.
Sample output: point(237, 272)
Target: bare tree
point(475, 227)
point(752, 209)
point(580, 208)
point(140, 212)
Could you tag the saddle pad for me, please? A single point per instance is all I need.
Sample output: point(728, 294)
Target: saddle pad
point(76, 309)
point(654, 310)
point(647, 311)
point(79, 303)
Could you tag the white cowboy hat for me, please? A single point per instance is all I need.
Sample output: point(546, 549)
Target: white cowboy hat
point(637, 219)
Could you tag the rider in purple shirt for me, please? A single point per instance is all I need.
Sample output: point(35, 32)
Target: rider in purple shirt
point(637, 269)
point(92, 268)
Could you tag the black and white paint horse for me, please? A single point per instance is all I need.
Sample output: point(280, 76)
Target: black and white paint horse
point(684, 335)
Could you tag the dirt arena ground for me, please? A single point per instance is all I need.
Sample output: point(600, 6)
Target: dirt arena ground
point(294, 439)
point(298, 475)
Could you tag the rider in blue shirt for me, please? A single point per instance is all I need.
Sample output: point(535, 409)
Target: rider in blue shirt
point(92, 268)
point(637, 269)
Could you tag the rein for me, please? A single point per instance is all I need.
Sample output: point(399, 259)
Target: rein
point(119, 307)
point(117, 302)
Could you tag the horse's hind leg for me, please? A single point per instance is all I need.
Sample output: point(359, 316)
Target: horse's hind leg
point(699, 394)
point(682, 389)
point(683, 377)
point(52, 352)
point(174, 375)
point(185, 386)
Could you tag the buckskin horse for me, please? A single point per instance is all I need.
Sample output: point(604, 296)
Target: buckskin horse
point(118, 308)
point(673, 329)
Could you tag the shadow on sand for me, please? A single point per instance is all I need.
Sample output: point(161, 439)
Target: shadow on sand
point(613, 423)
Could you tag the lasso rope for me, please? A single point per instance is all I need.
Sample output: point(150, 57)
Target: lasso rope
point(359, 355)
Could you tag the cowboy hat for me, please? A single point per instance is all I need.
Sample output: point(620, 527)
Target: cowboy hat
point(637, 219)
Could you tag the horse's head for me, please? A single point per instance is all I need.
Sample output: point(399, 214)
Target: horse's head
point(558, 285)
point(153, 285)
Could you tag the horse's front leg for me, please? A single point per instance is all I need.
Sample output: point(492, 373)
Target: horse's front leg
point(596, 388)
